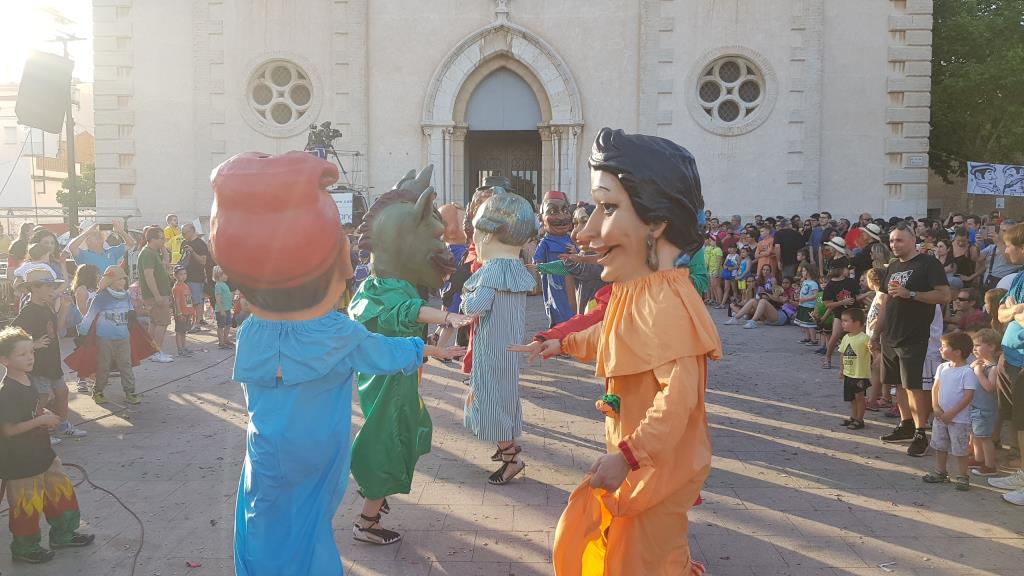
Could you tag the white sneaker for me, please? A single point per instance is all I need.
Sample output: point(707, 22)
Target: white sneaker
point(1015, 497)
point(68, 429)
point(161, 358)
point(1014, 481)
point(750, 324)
point(732, 321)
point(54, 440)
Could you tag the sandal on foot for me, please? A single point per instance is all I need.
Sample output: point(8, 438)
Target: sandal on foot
point(826, 365)
point(962, 483)
point(374, 534)
point(935, 478)
point(508, 457)
point(856, 425)
point(847, 422)
point(496, 457)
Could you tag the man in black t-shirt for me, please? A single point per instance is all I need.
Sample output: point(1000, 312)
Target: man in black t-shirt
point(197, 253)
point(787, 243)
point(913, 285)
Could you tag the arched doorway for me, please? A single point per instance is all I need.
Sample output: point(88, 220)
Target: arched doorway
point(502, 116)
point(501, 56)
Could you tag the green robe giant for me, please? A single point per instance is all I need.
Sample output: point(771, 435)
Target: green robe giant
point(398, 428)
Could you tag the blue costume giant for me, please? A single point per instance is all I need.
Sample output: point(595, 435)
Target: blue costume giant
point(296, 357)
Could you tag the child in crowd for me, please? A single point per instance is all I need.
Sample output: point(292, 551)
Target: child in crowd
point(840, 294)
point(987, 350)
point(992, 298)
point(173, 237)
point(880, 396)
point(83, 290)
point(222, 307)
point(184, 310)
point(808, 296)
point(35, 480)
point(730, 269)
point(744, 285)
point(713, 258)
point(42, 324)
point(952, 394)
point(110, 311)
point(856, 372)
point(803, 257)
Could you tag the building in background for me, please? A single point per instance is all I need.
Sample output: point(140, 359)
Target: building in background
point(790, 106)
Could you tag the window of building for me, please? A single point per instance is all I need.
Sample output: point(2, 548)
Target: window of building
point(280, 93)
point(730, 90)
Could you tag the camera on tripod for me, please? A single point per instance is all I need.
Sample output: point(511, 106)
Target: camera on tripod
point(322, 136)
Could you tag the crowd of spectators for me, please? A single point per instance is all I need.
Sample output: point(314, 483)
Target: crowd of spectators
point(926, 315)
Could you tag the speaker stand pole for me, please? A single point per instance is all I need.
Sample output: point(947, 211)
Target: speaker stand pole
point(69, 123)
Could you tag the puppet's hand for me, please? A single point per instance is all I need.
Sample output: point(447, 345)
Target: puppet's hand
point(535, 349)
point(609, 472)
point(444, 353)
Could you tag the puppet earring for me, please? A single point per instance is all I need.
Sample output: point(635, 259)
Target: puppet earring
point(652, 254)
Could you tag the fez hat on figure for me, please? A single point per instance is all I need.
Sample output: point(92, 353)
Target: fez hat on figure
point(554, 195)
point(661, 179)
point(273, 225)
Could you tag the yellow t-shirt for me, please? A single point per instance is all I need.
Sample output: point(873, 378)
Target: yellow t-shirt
point(174, 239)
point(856, 356)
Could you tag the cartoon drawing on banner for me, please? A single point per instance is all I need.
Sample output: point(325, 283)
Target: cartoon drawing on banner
point(995, 179)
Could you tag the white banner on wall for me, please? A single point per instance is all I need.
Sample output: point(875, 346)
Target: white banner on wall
point(995, 179)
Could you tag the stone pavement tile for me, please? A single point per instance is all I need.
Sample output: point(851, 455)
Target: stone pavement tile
point(531, 569)
point(721, 498)
point(827, 524)
point(778, 498)
point(558, 494)
point(387, 568)
point(738, 520)
point(452, 494)
point(536, 518)
point(492, 546)
point(176, 566)
point(470, 569)
point(817, 552)
point(792, 571)
point(737, 549)
point(486, 517)
point(924, 553)
point(900, 522)
point(525, 491)
point(436, 546)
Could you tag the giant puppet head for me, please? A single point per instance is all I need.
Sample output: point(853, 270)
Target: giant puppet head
point(503, 224)
point(402, 232)
point(452, 216)
point(276, 231)
point(649, 204)
point(556, 214)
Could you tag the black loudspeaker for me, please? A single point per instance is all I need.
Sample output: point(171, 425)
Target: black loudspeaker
point(44, 91)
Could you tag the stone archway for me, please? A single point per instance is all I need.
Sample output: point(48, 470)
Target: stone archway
point(502, 44)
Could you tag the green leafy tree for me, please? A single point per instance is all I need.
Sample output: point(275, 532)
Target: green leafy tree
point(977, 84)
point(86, 189)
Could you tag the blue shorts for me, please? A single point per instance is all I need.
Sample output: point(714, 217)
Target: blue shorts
point(727, 275)
point(983, 422)
point(224, 319)
point(197, 293)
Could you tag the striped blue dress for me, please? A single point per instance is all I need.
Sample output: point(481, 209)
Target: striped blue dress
point(497, 292)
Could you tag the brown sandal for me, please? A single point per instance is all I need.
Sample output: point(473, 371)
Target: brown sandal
point(374, 534)
point(508, 457)
point(496, 457)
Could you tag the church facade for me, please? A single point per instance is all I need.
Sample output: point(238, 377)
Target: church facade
point(789, 106)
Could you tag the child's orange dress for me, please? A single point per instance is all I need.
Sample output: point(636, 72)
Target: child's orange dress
point(652, 348)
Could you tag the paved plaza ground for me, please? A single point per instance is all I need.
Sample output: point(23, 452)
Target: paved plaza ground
point(791, 493)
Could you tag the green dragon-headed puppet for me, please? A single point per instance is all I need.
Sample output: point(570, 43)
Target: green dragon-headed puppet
point(402, 231)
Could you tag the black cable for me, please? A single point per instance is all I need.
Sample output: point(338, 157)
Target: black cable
point(85, 475)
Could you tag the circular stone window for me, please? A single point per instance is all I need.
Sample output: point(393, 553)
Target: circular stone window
point(733, 94)
point(281, 97)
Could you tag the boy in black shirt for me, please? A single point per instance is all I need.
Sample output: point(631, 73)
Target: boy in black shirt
point(840, 294)
point(35, 480)
point(38, 319)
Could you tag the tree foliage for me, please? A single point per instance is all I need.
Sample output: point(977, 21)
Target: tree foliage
point(86, 189)
point(977, 84)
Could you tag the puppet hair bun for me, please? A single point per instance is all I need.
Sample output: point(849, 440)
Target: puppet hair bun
point(508, 217)
point(661, 179)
